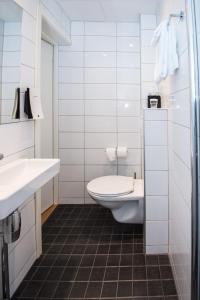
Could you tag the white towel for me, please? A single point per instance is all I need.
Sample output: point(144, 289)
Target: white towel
point(166, 47)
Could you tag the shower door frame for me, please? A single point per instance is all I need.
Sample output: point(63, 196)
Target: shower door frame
point(195, 148)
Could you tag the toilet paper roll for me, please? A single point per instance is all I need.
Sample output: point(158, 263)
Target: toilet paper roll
point(122, 152)
point(111, 154)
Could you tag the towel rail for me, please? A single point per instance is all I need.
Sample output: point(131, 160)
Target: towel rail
point(180, 15)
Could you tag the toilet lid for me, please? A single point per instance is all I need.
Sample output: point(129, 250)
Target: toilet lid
point(111, 186)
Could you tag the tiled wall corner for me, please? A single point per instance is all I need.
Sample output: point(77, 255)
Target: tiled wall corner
point(156, 180)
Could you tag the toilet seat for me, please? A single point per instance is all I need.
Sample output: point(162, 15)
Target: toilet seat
point(124, 196)
point(111, 186)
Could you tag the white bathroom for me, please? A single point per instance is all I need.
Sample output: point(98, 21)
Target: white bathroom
point(99, 149)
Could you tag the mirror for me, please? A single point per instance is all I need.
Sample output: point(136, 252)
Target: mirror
point(10, 51)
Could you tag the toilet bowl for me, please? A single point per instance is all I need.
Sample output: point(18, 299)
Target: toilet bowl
point(123, 195)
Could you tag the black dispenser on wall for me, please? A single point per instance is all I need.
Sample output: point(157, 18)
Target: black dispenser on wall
point(154, 101)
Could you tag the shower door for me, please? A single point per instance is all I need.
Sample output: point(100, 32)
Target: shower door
point(194, 39)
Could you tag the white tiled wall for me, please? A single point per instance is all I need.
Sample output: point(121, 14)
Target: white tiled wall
point(17, 140)
point(99, 104)
point(1, 53)
point(177, 88)
point(12, 42)
point(156, 180)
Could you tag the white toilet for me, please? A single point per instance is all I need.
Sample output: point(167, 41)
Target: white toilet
point(123, 195)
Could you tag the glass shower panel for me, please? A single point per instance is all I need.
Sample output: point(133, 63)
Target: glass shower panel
point(194, 37)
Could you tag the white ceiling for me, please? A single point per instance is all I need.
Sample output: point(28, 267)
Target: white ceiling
point(108, 10)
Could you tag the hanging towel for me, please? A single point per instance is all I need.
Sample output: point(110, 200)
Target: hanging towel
point(16, 107)
point(27, 104)
point(164, 39)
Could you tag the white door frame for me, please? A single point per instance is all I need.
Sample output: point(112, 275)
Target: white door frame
point(54, 38)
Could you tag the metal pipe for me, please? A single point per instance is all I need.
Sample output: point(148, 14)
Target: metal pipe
point(1, 264)
point(6, 282)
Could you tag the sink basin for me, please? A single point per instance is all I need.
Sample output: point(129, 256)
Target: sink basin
point(21, 179)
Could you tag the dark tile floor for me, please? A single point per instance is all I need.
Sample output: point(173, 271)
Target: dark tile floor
point(88, 255)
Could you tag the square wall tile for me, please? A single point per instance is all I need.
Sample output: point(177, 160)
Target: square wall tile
point(156, 183)
point(92, 172)
point(13, 28)
point(155, 133)
point(148, 22)
point(100, 124)
point(71, 107)
point(100, 75)
point(97, 157)
point(157, 208)
point(147, 71)
point(71, 140)
point(133, 158)
point(10, 74)
point(70, 91)
point(130, 170)
point(156, 158)
point(11, 59)
point(100, 43)
point(128, 124)
point(100, 140)
point(71, 156)
point(71, 173)
point(100, 59)
point(148, 55)
point(146, 37)
point(100, 28)
point(155, 114)
point(128, 44)
point(71, 123)
point(128, 92)
point(129, 140)
point(71, 189)
point(128, 60)
point(70, 75)
point(156, 233)
point(12, 43)
point(100, 91)
point(128, 108)
point(126, 75)
point(100, 107)
point(71, 59)
point(128, 29)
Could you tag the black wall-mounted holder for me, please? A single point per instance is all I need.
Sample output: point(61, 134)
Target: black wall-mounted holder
point(157, 97)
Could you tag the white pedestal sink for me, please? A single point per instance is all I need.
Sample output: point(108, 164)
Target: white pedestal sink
point(18, 181)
